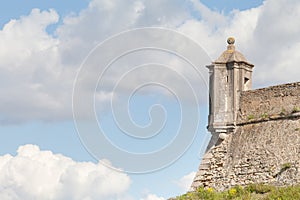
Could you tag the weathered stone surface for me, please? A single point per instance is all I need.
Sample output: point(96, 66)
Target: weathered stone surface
point(269, 103)
point(265, 145)
point(255, 133)
point(230, 74)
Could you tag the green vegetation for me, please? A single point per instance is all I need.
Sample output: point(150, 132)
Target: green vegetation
point(251, 192)
point(283, 112)
point(250, 117)
point(264, 115)
point(296, 109)
point(286, 166)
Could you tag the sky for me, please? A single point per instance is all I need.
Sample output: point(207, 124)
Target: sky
point(107, 99)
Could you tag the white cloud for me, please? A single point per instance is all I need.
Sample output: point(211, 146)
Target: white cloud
point(104, 18)
point(186, 181)
point(267, 35)
point(36, 174)
point(275, 42)
point(152, 197)
point(30, 72)
point(212, 30)
point(37, 69)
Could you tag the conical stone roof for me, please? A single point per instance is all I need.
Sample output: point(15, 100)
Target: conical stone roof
point(231, 55)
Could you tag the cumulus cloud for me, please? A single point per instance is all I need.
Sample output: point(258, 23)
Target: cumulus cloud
point(276, 41)
point(186, 181)
point(37, 69)
point(36, 174)
point(104, 18)
point(32, 80)
point(267, 35)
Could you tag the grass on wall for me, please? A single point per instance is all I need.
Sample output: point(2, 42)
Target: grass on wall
point(251, 192)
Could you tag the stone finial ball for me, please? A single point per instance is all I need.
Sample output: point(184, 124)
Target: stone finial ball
point(230, 40)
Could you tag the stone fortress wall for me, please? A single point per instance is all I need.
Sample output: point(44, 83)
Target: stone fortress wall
point(269, 103)
point(265, 145)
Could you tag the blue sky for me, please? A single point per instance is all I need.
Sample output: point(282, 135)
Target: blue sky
point(227, 6)
point(42, 50)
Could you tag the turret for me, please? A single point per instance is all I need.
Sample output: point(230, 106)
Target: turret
point(230, 74)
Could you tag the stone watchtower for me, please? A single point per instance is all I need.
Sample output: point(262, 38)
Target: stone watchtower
point(255, 133)
point(230, 74)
